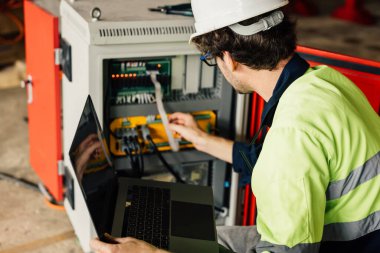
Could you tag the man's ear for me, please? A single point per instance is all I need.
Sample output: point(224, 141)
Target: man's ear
point(230, 63)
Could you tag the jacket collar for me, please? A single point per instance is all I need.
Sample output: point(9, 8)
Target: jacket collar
point(294, 69)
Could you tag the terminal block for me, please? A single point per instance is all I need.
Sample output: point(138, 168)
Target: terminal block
point(131, 83)
point(139, 126)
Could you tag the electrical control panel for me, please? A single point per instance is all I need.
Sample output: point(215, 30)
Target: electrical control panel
point(126, 127)
point(113, 59)
point(130, 103)
point(183, 78)
point(131, 83)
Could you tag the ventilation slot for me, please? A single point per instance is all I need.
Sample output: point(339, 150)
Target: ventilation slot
point(146, 31)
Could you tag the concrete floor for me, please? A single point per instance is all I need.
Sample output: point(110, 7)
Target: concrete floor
point(28, 225)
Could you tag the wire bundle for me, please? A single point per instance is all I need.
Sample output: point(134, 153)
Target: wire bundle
point(133, 149)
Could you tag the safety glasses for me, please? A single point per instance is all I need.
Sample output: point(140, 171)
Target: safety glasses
point(209, 59)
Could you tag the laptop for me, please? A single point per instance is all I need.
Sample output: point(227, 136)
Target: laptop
point(172, 216)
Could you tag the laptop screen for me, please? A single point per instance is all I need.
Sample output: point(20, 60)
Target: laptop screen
point(90, 158)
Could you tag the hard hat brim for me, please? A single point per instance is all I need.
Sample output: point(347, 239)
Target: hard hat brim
point(222, 22)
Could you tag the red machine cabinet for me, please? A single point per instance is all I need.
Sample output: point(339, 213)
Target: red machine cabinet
point(364, 73)
point(44, 96)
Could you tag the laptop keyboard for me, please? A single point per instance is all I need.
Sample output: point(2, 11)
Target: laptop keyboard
point(147, 215)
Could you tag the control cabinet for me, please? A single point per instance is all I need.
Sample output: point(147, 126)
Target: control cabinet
point(112, 59)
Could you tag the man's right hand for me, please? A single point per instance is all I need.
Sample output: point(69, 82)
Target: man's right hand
point(185, 125)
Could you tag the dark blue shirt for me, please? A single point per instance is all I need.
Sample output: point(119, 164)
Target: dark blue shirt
point(244, 156)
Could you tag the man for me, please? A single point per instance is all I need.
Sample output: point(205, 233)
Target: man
point(316, 176)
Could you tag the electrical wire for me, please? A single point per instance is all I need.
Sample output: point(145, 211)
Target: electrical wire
point(20, 181)
point(136, 148)
point(175, 174)
point(49, 199)
point(174, 145)
point(147, 137)
point(133, 150)
point(129, 154)
point(131, 145)
point(140, 155)
point(162, 159)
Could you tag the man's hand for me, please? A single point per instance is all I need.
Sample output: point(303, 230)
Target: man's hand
point(185, 125)
point(125, 245)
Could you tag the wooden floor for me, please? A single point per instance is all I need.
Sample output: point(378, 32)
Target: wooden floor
point(27, 224)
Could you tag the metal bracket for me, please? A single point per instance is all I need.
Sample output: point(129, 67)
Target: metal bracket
point(28, 84)
point(61, 168)
point(58, 56)
point(63, 56)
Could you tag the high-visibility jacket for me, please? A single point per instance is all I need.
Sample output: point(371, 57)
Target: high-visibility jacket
point(317, 178)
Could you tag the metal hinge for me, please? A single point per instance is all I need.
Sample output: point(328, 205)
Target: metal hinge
point(61, 168)
point(58, 56)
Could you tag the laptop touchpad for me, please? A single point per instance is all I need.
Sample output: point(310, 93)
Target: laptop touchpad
point(191, 220)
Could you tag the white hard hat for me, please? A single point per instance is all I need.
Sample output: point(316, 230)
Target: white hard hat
point(211, 15)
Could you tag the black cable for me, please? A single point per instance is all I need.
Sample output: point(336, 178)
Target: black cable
point(131, 145)
point(140, 155)
point(219, 209)
point(30, 185)
point(137, 155)
point(162, 159)
point(170, 169)
point(128, 151)
point(21, 181)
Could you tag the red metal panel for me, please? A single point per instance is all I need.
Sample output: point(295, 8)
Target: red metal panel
point(249, 210)
point(252, 128)
point(247, 193)
point(340, 57)
point(41, 38)
point(252, 215)
point(257, 107)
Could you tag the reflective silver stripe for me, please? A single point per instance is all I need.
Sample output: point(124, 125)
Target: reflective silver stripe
point(346, 231)
point(369, 170)
point(351, 230)
point(263, 246)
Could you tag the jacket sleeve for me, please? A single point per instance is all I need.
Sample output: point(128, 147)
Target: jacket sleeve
point(244, 158)
point(289, 182)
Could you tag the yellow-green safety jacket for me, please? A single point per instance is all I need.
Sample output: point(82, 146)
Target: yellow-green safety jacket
point(317, 178)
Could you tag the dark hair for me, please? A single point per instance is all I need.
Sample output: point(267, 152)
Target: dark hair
point(263, 50)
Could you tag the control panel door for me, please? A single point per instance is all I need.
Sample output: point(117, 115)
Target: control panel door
point(44, 96)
